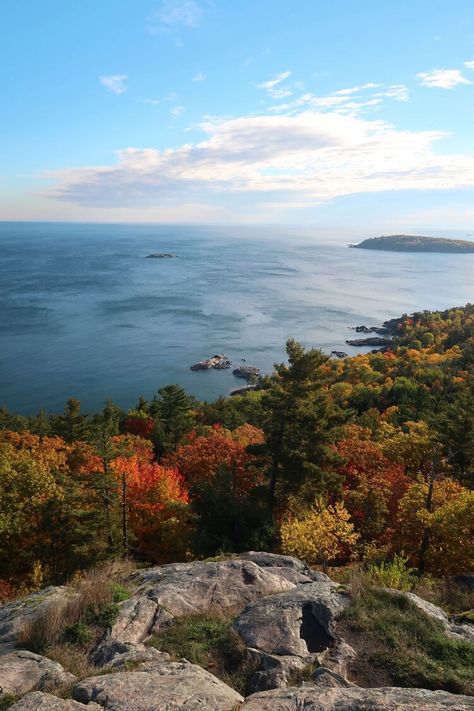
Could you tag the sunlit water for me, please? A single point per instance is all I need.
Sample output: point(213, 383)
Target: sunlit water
point(84, 314)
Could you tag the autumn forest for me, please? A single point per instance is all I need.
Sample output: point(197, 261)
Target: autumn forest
point(367, 459)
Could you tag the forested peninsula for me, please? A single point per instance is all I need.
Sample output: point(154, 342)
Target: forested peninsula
point(412, 243)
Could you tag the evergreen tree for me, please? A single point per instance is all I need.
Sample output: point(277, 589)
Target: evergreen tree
point(174, 413)
point(72, 425)
point(300, 425)
point(40, 424)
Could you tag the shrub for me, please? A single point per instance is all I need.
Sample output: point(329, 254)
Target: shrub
point(79, 633)
point(107, 615)
point(393, 574)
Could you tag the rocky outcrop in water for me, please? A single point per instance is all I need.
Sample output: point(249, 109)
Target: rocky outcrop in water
point(218, 361)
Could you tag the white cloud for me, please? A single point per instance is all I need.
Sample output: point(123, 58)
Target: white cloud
point(114, 83)
point(443, 78)
point(469, 65)
point(151, 101)
point(199, 77)
point(271, 85)
point(175, 13)
point(309, 157)
point(177, 110)
point(399, 92)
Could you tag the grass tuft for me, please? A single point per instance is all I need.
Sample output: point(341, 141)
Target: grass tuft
point(212, 643)
point(399, 641)
point(6, 701)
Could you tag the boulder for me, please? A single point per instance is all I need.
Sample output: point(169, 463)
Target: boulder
point(327, 678)
point(37, 701)
point(22, 671)
point(273, 671)
point(14, 615)
point(172, 685)
point(298, 622)
point(199, 588)
point(311, 698)
point(121, 655)
point(465, 581)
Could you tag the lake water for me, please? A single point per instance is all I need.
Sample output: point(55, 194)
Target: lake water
point(84, 314)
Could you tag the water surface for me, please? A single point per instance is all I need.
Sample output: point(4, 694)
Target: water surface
point(84, 314)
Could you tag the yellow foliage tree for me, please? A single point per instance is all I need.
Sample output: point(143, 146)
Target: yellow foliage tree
point(320, 535)
point(450, 524)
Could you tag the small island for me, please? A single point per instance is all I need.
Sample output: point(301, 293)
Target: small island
point(414, 243)
point(160, 255)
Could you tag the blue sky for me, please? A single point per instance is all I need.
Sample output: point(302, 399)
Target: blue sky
point(304, 112)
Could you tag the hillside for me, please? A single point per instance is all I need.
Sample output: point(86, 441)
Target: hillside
point(413, 243)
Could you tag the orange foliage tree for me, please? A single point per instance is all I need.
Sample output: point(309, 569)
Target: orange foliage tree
point(203, 457)
point(372, 485)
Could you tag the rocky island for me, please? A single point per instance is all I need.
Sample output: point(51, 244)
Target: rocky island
point(218, 361)
point(413, 243)
point(160, 255)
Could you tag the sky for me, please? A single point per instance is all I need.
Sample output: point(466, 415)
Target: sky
point(306, 112)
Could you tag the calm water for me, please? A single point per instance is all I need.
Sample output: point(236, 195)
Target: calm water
point(84, 314)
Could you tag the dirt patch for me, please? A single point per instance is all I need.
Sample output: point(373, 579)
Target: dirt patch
point(364, 670)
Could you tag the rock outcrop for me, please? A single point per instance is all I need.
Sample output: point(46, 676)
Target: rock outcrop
point(15, 615)
point(286, 618)
point(172, 685)
point(23, 671)
point(311, 698)
point(37, 701)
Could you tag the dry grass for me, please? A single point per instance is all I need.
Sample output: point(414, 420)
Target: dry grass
point(72, 659)
point(87, 595)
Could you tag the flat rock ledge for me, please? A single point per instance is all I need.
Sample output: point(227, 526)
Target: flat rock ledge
point(23, 671)
point(38, 701)
point(167, 686)
point(312, 698)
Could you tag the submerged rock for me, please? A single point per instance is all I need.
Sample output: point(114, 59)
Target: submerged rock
point(160, 255)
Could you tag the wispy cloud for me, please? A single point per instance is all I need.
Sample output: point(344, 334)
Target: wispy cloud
point(177, 110)
point(356, 89)
point(272, 88)
point(175, 13)
point(397, 91)
point(443, 78)
point(151, 101)
point(199, 77)
point(114, 83)
point(469, 65)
